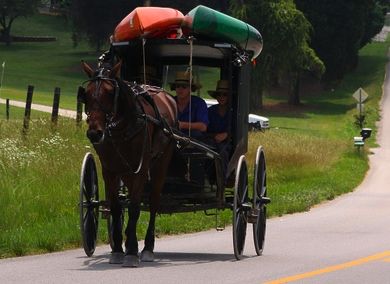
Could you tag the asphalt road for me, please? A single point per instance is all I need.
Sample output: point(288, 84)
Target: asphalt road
point(346, 240)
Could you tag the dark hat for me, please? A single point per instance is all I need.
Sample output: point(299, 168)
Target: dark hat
point(183, 78)
point(222, 87)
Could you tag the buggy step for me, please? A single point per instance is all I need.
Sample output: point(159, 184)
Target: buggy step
point(265, 200)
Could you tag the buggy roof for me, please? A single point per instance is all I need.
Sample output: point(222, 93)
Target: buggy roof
point(176, 51)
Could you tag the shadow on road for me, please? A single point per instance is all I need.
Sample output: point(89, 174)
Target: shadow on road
point(162, 259)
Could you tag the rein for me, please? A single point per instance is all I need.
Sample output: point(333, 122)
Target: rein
point(124, 161)
point(111, 124)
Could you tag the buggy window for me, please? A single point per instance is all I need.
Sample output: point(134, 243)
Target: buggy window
point(207, 77)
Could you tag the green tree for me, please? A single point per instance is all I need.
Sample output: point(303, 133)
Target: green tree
point(341, 28)
point(12, 9)
point(286, 33)
point(374, 22)
point(95, 20)
point(186, 6)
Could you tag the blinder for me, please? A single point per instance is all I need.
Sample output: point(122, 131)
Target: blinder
point(81, 95)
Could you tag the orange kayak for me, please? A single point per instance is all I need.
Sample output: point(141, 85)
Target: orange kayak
point(148, 22)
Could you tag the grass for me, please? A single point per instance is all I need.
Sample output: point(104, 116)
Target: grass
point(45, 65)
point(309, 149)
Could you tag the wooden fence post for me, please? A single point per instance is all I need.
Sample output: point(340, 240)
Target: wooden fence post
point(7, 109)
point(56, 104)
point(27, 112)
point(79, 115)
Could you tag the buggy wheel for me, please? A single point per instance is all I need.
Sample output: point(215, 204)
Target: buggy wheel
point(89, 204)
point(240, 208)
point(259, 200)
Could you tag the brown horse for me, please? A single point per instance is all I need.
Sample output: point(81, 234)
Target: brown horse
point(129, 128)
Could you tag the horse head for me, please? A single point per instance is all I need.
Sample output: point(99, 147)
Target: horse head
point(101, 98)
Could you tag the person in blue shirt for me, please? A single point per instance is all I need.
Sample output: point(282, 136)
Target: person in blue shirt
point(219, 122)
point(219, 114)
point(192, 110)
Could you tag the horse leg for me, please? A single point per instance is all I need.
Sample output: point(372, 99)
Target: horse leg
point(112, 187)
point(136, 188)
point(158, 174)
point(147, 253)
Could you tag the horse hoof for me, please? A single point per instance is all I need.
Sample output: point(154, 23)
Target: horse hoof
point(116, 258)
point(130, 261)
point(147, 256)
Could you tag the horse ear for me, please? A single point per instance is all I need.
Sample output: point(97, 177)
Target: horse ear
point(116, 70)
point(87, 69)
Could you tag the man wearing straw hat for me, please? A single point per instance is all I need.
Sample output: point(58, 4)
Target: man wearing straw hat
point(192, 110)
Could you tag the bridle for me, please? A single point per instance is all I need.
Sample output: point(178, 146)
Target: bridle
point(99, 79)
point(110, 123)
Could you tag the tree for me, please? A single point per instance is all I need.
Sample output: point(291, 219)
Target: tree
point(95, 20)
point(186, 6)
point(286, 33)
point(374, 23)
point(341, 28)
point(12, 9)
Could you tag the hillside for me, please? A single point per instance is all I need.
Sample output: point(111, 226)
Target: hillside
point(45, 65)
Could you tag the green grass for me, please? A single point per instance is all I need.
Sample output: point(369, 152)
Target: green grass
point(311, 157)
point(44, 65)
point(40, 181)
point(309, 149)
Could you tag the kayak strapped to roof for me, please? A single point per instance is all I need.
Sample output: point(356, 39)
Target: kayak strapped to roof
point(206, 22)
point(202, 22)
point(149, 22)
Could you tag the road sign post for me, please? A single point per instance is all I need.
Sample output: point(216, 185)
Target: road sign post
point(360, 95)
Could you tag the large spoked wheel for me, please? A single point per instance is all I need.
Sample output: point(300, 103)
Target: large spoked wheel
point(260, 200)
point(240, 208)
point(89, 204)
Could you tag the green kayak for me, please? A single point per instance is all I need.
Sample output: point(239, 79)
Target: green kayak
point(208, 23)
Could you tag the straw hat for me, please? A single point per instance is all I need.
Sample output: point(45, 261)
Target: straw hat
point(222, 87)
point(183, 78)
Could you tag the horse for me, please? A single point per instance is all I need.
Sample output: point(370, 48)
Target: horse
point(130, 128)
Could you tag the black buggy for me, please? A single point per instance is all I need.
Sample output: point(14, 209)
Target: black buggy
point(200, 185)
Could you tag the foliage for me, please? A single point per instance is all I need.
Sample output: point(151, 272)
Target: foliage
point(12, 9)
point(341, 28)
point(96, 19)
point(285, 31)
point(375, 22)
point(186, 6)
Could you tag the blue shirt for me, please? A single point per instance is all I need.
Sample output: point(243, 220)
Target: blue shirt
point(217, 123)
point(198, 114)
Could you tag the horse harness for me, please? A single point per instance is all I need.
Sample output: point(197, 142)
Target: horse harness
point(142, 118)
